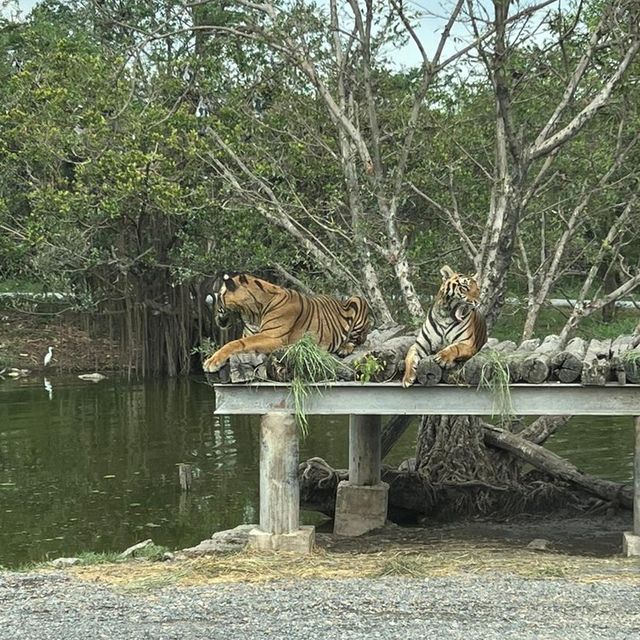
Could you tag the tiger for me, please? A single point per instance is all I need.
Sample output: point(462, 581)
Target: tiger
point(454, 329)
point(283, 316)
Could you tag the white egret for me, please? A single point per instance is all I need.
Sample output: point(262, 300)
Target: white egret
point(47, 358)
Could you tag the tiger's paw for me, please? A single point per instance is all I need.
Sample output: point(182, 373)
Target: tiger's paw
point(408, 379)
point(444, 360)
point(345, 349)
point(213, 363)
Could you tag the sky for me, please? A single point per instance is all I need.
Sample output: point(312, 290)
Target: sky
point(428, 31)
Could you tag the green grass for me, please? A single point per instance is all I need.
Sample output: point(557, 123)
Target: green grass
point(12, 285)
point(308, 364)
point(551, 321)
point(495, 377)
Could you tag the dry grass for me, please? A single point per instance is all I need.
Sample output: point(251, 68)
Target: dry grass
point(441, 560)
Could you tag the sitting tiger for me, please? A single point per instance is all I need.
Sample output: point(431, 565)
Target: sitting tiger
point(453, 329)
point(283, 316)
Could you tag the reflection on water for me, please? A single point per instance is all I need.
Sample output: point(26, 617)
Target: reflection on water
point(88, 466)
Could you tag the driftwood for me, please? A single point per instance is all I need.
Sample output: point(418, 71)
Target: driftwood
point(536, 367)
point(543, 427)
point(392, 432)
point(567, 364)
point(596, 367)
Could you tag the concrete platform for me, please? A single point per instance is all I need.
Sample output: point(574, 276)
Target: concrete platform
point(630, 544)
point(301, 541)
point(360, 509)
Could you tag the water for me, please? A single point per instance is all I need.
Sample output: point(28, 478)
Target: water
point(93, 467)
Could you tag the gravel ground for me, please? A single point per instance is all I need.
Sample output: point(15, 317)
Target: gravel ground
point(54, 606)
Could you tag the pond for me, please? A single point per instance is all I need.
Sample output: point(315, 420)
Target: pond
point(93, 467)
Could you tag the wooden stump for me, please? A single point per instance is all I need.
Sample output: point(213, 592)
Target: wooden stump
point(428, 372)
point(185, 476)
point(567, 364)
point(632, 366)
point(596, 366)
point(620, 347)
point(536, 367)
point(517, 358)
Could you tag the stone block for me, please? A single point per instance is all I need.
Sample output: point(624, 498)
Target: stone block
point(300, 541)
point(360, 509)
point(630, 544)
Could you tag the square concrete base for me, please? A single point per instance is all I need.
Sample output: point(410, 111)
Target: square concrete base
point(360, 509)
point(630, 544)
point(300, 541)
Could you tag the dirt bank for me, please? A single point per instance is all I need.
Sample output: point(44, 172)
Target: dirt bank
point(25, 338)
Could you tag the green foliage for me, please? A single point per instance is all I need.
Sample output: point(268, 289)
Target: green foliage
point(367, 368)
point(206, 348)
point(113, 185)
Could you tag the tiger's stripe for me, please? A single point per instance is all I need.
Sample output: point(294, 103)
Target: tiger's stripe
point(285, 315)
point(453, 330)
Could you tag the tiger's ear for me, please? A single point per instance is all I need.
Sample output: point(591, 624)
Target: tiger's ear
point(475, 276)
point(229, 283)
point(447, 272)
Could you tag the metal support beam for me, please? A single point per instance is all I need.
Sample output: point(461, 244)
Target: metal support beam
point(391, 399)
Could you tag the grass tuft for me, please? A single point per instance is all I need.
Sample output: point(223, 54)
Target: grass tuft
point(308, 364)
point(495, 377)
point(444, 558)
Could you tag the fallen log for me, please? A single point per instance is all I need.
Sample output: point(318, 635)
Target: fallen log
point(392, 432)
point(543, 427)
point(556, 466)
point(567, 364)
point(410, 492)
point(596, 367)
point(536, 367)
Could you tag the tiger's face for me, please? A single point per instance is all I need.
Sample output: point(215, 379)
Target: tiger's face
point(458, 291)
point(244, 292)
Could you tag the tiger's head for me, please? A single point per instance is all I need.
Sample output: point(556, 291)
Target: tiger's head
point(245, 293)
point(458, 292)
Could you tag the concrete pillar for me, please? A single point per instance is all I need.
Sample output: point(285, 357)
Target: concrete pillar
point(361, 501)
point(631, 539)
point(364, 450)
point(279, 489)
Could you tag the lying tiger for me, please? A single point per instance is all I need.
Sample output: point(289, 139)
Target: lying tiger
point(453, 329)
point(283, 316)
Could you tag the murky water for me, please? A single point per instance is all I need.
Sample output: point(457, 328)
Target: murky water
point(93, 467)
